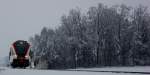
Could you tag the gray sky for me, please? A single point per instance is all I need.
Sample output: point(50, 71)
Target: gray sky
point(20, 19)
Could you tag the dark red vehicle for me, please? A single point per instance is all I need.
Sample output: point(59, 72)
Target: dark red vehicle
point(19, 55)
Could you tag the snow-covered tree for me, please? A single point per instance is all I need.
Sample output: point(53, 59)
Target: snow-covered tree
point(104, 36)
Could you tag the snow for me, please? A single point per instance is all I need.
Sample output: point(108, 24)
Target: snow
point(127, 69)
point(8, 71)
point(53, 72)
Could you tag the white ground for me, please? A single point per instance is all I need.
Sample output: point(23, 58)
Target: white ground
point(8, 71)
point(127, 69)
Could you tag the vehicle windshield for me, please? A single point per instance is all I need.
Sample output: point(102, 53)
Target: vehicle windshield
point(21, 47)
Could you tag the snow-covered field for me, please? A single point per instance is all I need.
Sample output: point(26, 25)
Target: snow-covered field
point(126, 69)
point(9, 71)
point(80, 71)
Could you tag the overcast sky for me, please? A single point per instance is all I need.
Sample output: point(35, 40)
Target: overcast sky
point(20, 19)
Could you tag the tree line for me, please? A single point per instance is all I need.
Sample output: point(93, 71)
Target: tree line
point(103, 36)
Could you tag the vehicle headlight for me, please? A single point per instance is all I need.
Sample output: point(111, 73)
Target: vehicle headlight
point(15, 56)
point(27, 57)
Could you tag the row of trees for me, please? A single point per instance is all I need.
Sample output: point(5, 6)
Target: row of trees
point(104, 36)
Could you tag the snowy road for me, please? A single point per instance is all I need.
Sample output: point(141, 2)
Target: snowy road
point(8, 71)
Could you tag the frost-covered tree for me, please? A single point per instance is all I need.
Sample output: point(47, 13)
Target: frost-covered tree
point(104, 36)
point(141, 36)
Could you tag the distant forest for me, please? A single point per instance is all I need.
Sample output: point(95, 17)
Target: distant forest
point(116, 35)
